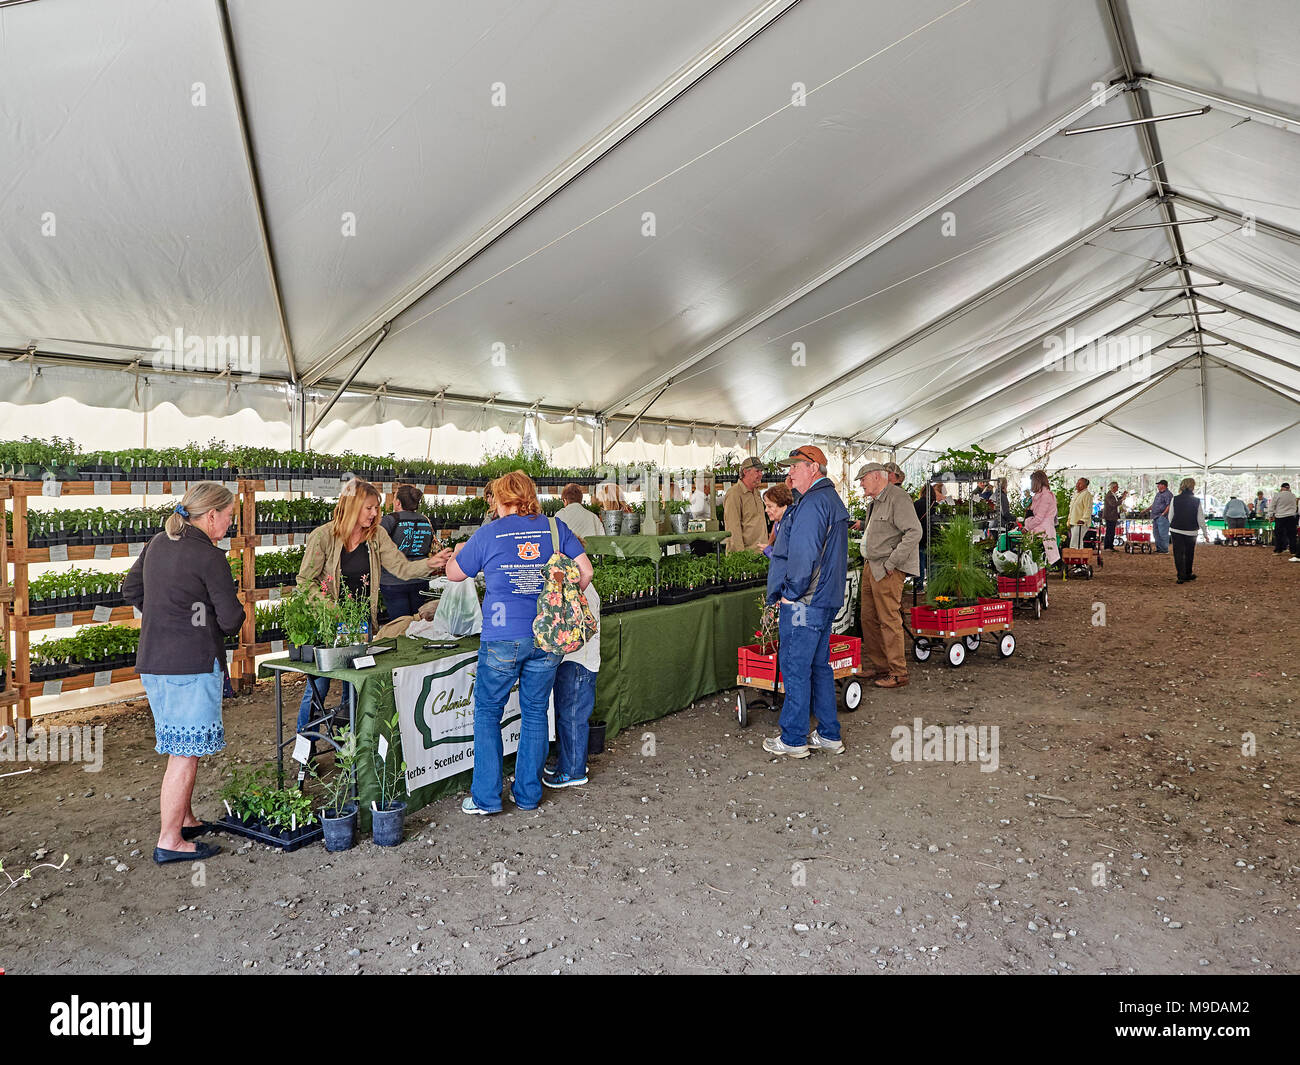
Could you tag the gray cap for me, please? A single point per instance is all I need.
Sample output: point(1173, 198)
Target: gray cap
point(871, 467)
point(751, 463)
point(894, 467)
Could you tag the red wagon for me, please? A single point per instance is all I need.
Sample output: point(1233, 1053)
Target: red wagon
point(761, 669)
point(1028, 591)
point(960, 629)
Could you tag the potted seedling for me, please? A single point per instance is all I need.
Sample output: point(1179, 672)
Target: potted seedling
point(300, 620)
point(338, 811)
point(388, 813)
point(677, 514)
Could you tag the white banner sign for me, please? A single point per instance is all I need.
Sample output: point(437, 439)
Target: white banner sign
point(435, 709)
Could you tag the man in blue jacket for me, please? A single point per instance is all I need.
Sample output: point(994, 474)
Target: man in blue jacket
point(809, 565)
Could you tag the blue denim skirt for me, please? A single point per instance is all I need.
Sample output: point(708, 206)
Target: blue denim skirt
point(187, 712)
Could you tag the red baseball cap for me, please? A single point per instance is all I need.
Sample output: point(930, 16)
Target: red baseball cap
point(807, 452)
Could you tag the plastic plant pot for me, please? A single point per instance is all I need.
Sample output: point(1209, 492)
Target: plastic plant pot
point(387, 824)
point(341, 827)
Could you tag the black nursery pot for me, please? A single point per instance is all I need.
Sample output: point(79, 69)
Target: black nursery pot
point(595, 737)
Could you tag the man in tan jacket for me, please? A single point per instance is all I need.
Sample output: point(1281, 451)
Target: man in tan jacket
point(889, 548)
point(742, 510)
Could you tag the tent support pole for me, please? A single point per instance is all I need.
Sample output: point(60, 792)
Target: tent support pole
point(638, 417)
point(777, 439)
point(1150, 443)
point(680, 83)
point(1258, 354)
point(255, 183)
point(1255, 379)
point(1257, 319)
point(356, 369)
point(1245, 110)
point(1029, 346)
point(1261, 293)
point(962, 309)
point(1038, 437)
point(1281, 232)
point(1138, 320)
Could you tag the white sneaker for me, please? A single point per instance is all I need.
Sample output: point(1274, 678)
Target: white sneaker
point(818, 742)
point(773, 745)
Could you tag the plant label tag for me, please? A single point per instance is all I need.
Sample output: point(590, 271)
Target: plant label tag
point(293, 822)
point(228, 809)
point(224, 544)
point(268, 540)
point(283, 539)
point(230, 657)
point(383, 748)
point(52, 687)
point(301, 749)
point(103, 488)
point(277, 647)
point(50, 487)
point(62, 621)
point(364, 662)
point(273, 595)
point(295, 484)
point(231, 486)
point(135, 613)
point(103, 551)
point(59, 553)
point(101, 613)
point(155, 488)
point(103, 677)
point(134, 548)
point(137, 488)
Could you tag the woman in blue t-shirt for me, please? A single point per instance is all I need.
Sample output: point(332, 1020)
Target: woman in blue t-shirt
point(511, 553)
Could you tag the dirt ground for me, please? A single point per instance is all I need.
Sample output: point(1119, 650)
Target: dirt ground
point(1124, 829)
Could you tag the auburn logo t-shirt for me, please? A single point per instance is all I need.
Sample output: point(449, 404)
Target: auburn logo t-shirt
point(511, 553)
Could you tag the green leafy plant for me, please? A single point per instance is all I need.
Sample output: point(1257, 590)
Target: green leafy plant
point(959, 567)
point(337, 788)
point(390, 770)
point(966, 460)
point(769, 625)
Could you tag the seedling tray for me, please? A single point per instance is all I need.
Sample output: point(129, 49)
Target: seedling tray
point(281, 838)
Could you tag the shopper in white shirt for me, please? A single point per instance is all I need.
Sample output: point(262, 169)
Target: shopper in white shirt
point(575, 698)
point(581, 522)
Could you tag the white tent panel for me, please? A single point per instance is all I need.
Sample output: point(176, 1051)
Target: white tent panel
point(984, 236)
point(394, 115)
point(1246, 51)
point(124, 198)
point(751, 196)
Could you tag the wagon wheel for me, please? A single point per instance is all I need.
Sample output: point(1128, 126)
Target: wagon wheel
point(972, 642)
point(742, 711)
point(1086, 571)
point(1006, 645)
point(1038, 606)
point(1043, 597)
point(921, 649)
point(956, 654)
point(1128, 549)
point(851, 698)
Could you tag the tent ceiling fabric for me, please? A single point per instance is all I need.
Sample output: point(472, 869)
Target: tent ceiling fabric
point(128, 214)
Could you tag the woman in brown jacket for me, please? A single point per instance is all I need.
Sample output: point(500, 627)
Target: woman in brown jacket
point(351, 552)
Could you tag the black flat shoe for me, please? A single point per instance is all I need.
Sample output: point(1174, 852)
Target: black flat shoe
point(189, 832)
point(201, 852)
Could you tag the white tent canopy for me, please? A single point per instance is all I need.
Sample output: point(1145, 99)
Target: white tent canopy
point(863, 220)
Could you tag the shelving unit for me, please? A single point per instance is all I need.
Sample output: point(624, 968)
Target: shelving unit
point(17, 622)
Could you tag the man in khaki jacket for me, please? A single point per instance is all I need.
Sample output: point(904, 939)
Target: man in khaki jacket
point(742, 510)
point(889, 547)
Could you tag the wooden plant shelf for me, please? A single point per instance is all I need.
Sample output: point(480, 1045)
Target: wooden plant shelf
point(79, 617)
point(35, 688)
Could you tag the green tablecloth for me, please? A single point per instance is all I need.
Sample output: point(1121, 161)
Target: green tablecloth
point(653, 662)
point(645, 546)
point(1251, 523)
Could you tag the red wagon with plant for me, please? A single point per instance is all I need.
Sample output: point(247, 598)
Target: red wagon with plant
point(758, 667)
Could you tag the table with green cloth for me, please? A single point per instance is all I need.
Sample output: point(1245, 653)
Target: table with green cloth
point(652, 547)
point(654, 661)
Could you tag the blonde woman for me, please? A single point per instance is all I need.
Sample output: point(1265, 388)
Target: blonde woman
point(182, 586)
point(351, 552)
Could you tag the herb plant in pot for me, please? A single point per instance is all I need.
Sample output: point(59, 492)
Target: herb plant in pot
point(301, 623)
point(959, 567)
point(388, 814)
point(338, 811)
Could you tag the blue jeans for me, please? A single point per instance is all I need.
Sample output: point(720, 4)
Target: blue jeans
point(322, 687)
point(575, 697)
point(1160, 529)
point(806, 669)
point(402, 600)
point(502, 663)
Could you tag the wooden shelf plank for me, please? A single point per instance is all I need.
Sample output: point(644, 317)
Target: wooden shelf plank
point(79, 617)
point(81, 681)
point(86, 552)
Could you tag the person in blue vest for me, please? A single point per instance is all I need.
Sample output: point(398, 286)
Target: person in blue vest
point(412, 532)
point(1186, 523)
point(807, 577)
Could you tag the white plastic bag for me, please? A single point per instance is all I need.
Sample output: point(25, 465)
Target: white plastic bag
point(1006, 562)
point(458, 613)
point(1028, 566)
